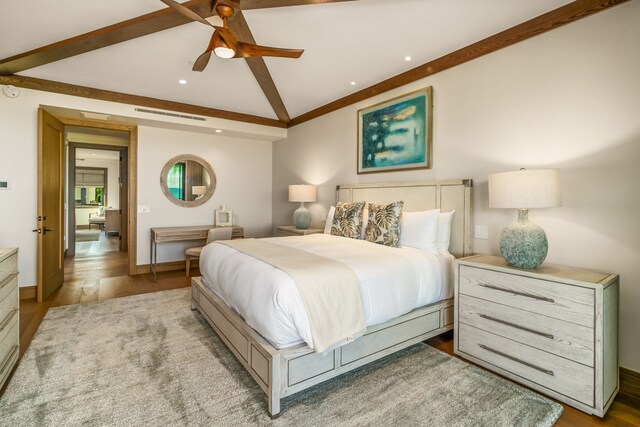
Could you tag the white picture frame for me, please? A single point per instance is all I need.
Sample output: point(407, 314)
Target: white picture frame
point(224, 217)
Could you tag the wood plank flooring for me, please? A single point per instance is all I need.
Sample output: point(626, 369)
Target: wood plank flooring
point(99, 272)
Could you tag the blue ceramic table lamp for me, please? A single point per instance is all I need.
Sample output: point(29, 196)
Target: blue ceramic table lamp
point(522, 243)
point(302, 193)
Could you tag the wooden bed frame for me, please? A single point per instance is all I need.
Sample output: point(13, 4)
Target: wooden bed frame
point(281, 373)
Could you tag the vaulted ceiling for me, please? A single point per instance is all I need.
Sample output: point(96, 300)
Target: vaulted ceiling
point(143, 48)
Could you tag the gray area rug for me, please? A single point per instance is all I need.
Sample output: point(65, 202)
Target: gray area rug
point(149, 360)
point(83, 235)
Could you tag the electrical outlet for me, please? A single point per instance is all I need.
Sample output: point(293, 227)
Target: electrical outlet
point(143, 209)
point(482, 232)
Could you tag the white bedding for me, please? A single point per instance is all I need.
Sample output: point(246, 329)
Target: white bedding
point(393, 281)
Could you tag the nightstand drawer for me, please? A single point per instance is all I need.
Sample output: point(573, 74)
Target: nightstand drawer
point(555, 336)
point(574, 304)
point(568, 378)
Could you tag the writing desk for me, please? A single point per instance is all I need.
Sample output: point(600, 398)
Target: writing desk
point(181, 234)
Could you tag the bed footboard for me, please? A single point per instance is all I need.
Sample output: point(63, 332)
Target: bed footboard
point(281, 373)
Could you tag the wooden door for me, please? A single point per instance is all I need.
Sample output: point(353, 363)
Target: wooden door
point(50, 204)
point(124, 200)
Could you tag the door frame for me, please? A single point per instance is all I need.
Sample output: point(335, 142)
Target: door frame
point(132, 165)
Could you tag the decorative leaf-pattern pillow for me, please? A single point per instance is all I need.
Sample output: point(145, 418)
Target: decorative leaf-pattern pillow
point(384, 223)
point(347, 220)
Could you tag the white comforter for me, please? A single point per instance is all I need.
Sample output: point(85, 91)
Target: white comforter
point(393, 281)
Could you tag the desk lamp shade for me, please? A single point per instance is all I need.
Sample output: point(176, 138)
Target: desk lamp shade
point(302, 193)
point(522, 243)
point(198, 190)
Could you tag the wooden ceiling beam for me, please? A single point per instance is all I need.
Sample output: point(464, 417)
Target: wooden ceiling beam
point(143, 101)
point(541, 24)
point(259, 68)
point(262, 4)
point(150, 23)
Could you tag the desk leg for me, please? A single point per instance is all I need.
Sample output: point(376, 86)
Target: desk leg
point(153, 258)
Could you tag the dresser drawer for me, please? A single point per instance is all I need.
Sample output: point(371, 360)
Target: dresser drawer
point(8, 267)
point(9, 339)
point(9, 284)
point(8, 306)
point(563, 376)
point(555, 336)
point(574, 304)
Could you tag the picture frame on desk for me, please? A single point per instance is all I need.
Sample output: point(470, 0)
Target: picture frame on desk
point(224, 217)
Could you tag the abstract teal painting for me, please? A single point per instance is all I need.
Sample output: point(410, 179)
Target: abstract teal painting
point(396, 134)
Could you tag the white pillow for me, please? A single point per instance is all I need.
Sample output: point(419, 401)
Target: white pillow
point(444, 231)
point(420, 230)
point(327, 224)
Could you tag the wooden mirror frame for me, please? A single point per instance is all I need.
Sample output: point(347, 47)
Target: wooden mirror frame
point(187, 203)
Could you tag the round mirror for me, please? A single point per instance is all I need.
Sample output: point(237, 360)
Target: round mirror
point(188, 180)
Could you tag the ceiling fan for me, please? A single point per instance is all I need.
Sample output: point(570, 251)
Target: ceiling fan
point(224, 43)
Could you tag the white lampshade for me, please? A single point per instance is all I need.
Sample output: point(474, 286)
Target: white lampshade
point(525, 189)
point(302, 193)
point(198, 190)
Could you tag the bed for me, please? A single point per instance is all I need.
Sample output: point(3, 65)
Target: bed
point(284, 365)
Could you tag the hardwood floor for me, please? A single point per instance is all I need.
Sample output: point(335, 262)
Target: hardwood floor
point(99, 272)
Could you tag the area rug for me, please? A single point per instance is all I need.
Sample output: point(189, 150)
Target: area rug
point(87, 235)
point(149, 360)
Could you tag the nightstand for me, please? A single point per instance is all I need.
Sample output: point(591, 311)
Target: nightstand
point(554, 329)
point(291, 230)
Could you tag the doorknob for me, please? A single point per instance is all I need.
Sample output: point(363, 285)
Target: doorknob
point(46, 229)
point(37, 230)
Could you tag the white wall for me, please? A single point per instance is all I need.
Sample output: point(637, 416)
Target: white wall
point(243, 173)
point(18, 163)
point(567, 99)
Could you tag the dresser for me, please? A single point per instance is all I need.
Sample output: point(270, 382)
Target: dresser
point(554, 329)
point(291, 230)
point(9, 312)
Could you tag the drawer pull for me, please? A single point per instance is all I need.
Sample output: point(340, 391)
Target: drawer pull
point(524, 294)
point(515, 359)
point(7, 280)
point(8, 358)
point(504, 322)
point(7, 319)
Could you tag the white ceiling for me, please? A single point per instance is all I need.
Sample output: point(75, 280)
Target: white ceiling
point(363, 41)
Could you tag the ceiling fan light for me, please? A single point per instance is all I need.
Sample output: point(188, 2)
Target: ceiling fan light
point(224, 52)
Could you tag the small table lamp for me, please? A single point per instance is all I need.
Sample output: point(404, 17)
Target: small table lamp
point(302, 193)
point(522, 243)
point(198, 190)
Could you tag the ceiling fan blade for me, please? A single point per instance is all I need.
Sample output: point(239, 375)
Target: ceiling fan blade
point(186, 12)
point(244, 50)
point(202, 61)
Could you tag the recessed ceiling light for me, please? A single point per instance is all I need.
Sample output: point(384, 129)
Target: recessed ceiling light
point(353, 83)
point(407, 58)
point(93, 154)
point(182, 82)
point(218, 131)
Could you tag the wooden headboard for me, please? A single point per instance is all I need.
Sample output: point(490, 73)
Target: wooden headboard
point(419, 196)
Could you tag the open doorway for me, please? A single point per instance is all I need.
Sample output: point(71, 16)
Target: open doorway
point(97, 192)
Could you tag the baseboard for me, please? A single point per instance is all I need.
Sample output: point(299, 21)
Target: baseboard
point(165, 266)
point(28, 292)
point(82, 227)
point(629, 387)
